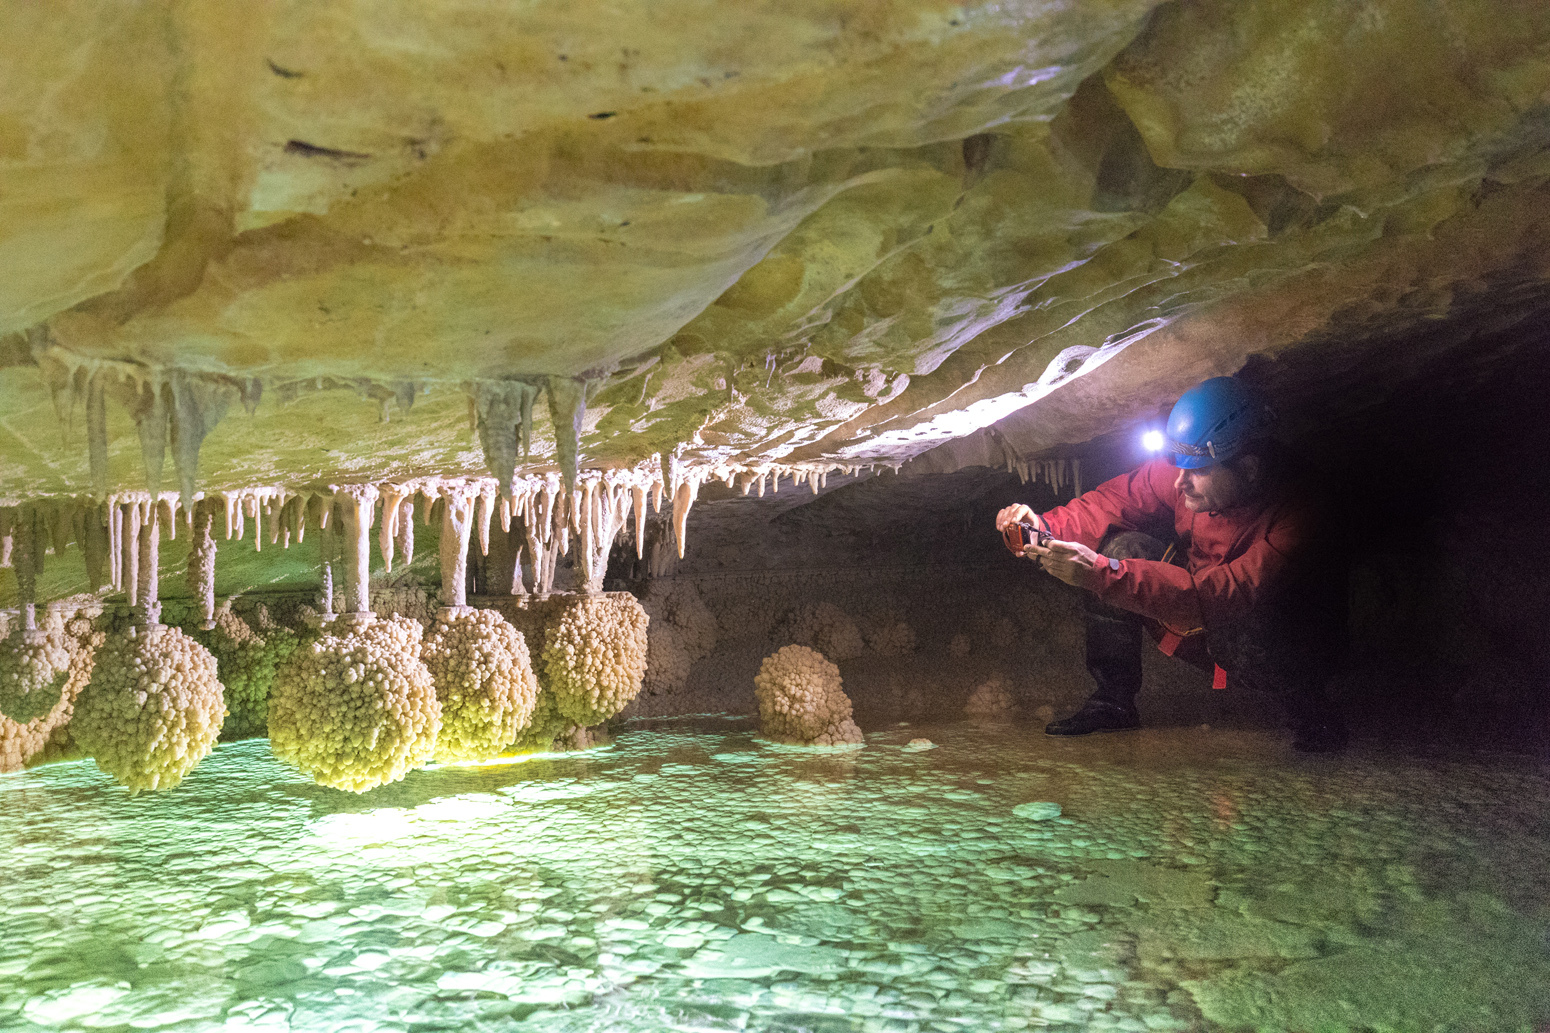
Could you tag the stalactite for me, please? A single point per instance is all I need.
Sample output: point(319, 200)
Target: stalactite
point(358, 504)
point(484, 509)
point(97, 433)
point(392, 496)
point(405, 539)
point(115, 546)
point(167, 516)
point(638, 500)
point(567, 410)
point(251, 508)
point(328, 552)
point(197, 406)
point(290, 517)
point(151, 421)
point(503, 417)
point(605, 508)
point(148, 552)
point(27, 560)
point(56, 518)
point(200, 575)
point(273, 507)
point(457, 521)
point(95, 543)
point(130, 547)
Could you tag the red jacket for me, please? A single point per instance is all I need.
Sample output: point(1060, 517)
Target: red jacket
point(1235, 556)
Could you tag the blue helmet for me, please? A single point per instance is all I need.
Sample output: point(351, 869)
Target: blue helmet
point(1213, 421)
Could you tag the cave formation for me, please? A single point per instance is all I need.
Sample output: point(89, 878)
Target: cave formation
point(522, 324)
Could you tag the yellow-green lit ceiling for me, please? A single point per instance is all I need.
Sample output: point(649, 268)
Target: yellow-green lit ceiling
point(796, 230)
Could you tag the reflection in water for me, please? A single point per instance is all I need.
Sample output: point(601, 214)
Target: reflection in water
point(697, 878)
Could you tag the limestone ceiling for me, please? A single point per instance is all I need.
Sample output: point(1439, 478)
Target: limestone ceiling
point(794, 231)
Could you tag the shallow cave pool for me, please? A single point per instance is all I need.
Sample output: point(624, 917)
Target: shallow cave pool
point(691, 877)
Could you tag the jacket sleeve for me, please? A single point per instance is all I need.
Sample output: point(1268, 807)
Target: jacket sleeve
point(1126, 502)
point(1185, 601)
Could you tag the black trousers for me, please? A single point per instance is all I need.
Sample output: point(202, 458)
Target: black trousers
point(1290, 645)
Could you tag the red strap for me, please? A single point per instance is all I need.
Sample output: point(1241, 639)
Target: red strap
point(1219, 679)
point(1169, 643)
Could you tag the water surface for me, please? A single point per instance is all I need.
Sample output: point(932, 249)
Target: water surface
point(694, 878)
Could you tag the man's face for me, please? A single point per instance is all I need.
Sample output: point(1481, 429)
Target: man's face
point(1211, 488)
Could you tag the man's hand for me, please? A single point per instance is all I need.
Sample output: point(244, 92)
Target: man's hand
point(1013, 514)
point(1071, 562)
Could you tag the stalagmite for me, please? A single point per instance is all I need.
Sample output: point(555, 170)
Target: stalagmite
point(567, 409)
point(457, 521)
point(357, 503)
point(197, 406)
point(148, 550)
point(200, 576)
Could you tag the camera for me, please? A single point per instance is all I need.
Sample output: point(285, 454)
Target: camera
point(1022, 534)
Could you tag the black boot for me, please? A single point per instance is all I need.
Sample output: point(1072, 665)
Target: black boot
point(1096, 715)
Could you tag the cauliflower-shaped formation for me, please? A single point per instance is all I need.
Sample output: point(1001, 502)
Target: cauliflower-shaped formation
point(826, 627)
point(838, 637)
point(594, 658)
point(153, 708)
point(356, 708)
point(891, 635)
point(33, 668)
point(996, 627)
point(37, 694)
point(403, 600)
point(545, 726)
point(484, 679)
point(248, 657)
point(990, 698)
point(801, 701)
point(682, 632)
point(82, 639)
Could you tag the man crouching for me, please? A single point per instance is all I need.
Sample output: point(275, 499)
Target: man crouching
point(1236, 583)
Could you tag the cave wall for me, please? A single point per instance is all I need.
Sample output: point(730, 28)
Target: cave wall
point(1432, 457)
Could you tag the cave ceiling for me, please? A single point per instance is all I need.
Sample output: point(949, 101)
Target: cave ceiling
point(751, 233)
